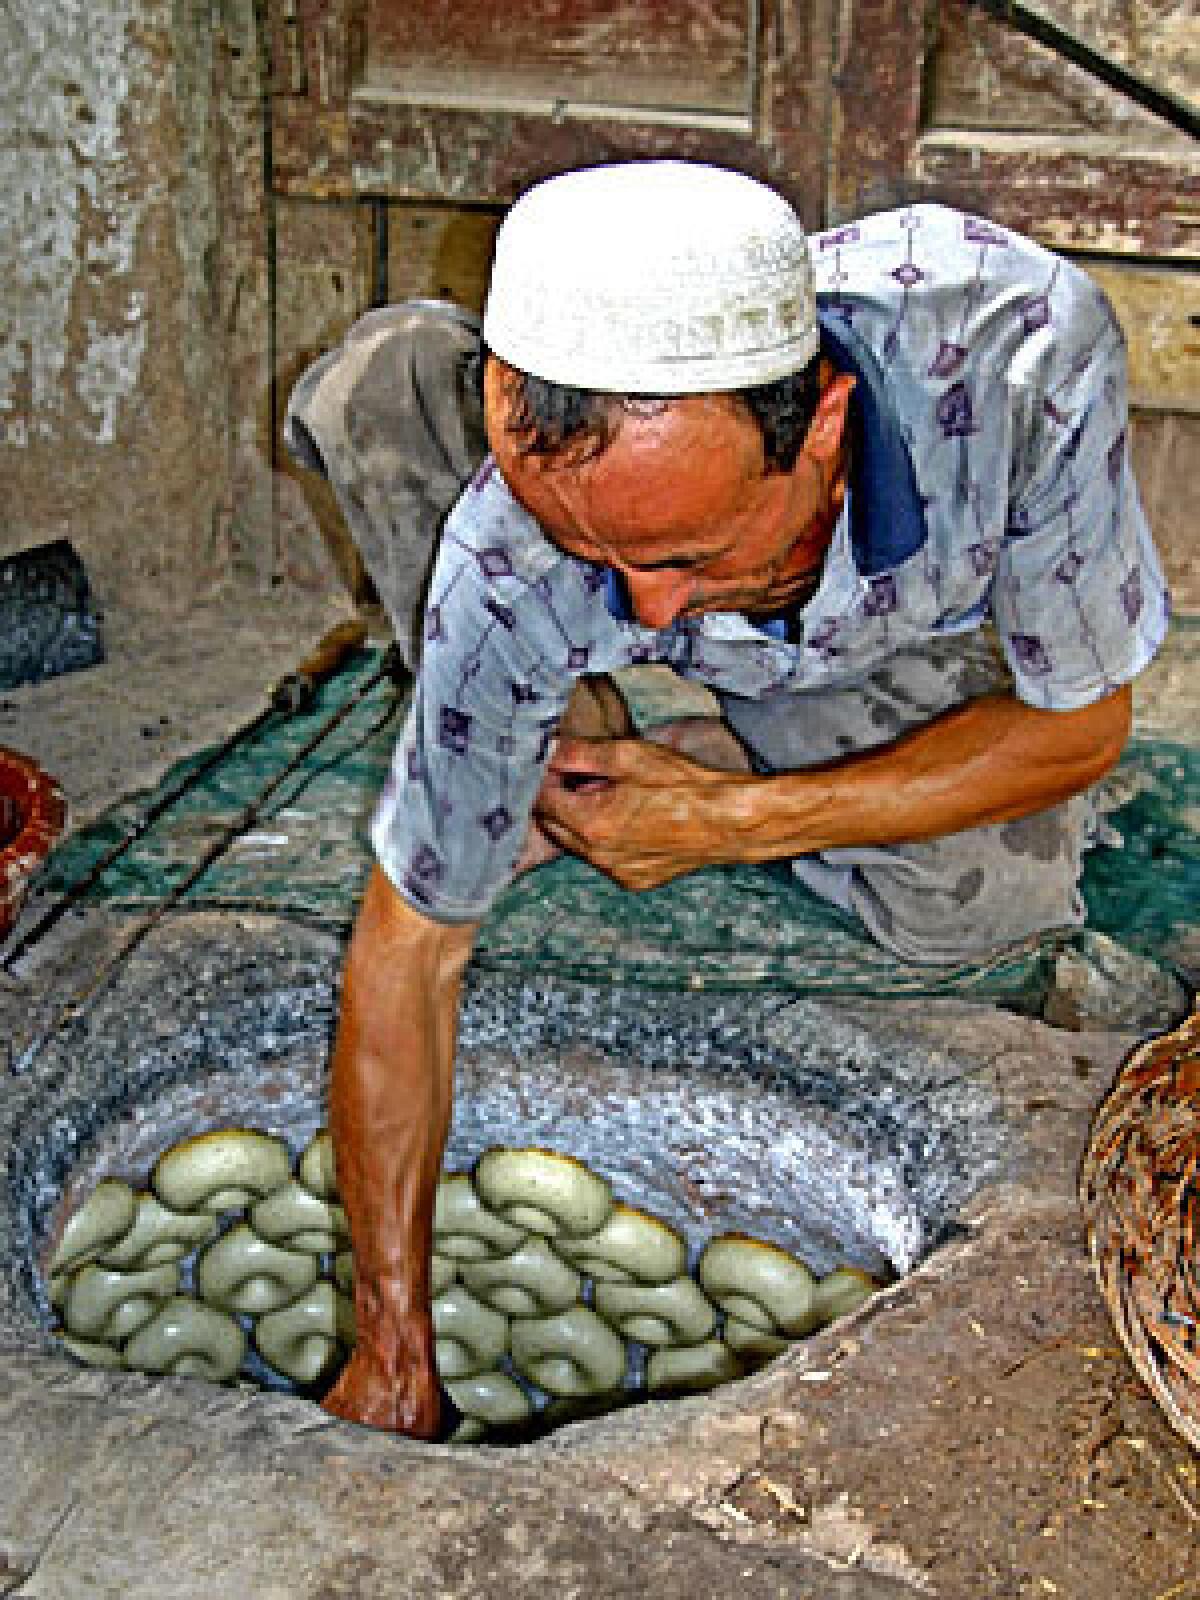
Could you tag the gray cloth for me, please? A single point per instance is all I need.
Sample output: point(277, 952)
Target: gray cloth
point(943, 900)
point(392, 418)
point(393, 421)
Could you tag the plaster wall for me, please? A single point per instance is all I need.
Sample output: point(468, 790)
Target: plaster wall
point(113, 411)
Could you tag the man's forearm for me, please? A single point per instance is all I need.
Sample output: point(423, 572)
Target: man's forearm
point(991, 760)
point(645, 814)
point(389, 1113)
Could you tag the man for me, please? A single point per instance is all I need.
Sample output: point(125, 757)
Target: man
point(897, 536)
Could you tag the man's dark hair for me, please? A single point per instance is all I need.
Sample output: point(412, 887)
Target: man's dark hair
point(549, 418)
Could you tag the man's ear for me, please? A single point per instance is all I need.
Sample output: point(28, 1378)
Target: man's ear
point(827, 429)
point(499, 394)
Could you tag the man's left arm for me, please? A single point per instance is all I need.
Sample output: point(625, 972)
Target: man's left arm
point(644, 814)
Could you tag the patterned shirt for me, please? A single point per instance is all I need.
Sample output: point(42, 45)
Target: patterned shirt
point(999, 366)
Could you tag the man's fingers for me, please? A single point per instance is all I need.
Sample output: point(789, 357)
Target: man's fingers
point(609, 758)
point(560, 807)
point(581, 758)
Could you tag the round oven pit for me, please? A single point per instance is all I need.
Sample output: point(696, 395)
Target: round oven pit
point(644, 1194)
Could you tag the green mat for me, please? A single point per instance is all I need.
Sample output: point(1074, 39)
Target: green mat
point(307, 855)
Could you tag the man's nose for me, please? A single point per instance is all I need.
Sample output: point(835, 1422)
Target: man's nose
point(657, 598)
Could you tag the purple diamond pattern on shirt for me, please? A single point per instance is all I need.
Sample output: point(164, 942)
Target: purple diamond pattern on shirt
point(577, 657)
point(495, 562)
point(980, 232)
point(881, 597)
point(593, 579)
point(1032, 654)
point(496, 822)
point(524, 694)
point(840, 236)
point(483, 474)
point(1035, 313)
point(415, 766)
point(824, 634)
point(955, 413)
point(426, 870)
point(1116, 457)
point(427, 866)
point(907, 275)
point(454, 730)
point(433, 625)
point(1132, 597)
point(503, 614)
point(982, 556)
point(948, 360)
point(890, 345)
point(1067, 569)
point(640, 654)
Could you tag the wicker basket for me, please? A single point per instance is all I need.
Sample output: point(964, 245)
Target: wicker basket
point(1140, 1190)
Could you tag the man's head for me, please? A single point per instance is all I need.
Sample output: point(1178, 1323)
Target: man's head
point(654, 394)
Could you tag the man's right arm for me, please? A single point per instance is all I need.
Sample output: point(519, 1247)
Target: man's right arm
point(389, 1114)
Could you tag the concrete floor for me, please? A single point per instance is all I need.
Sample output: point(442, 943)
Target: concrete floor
point(974, 1431)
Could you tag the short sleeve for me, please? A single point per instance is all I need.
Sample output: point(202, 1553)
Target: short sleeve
point(455, 808)
point(1079, 599)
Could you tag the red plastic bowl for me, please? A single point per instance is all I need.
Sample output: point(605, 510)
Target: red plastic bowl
point(33, 815)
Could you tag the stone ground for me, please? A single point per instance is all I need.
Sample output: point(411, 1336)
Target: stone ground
point(974, 1431)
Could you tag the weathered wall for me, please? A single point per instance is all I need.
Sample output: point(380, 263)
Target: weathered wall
point(112, 402)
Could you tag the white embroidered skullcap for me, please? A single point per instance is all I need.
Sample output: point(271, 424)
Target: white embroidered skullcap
point(652, 277)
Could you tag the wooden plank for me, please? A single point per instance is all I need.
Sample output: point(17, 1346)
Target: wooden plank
point(879, 68)
point(489, 156)
point(285, 49)
point(1159, 310)
point(1089, 195)
point(692, 55)
point(987, 75)
point(341, 141)
point(323, 281)
point(1166, 462)
point(440, 253)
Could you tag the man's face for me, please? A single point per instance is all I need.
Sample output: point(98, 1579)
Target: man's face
point(680, 504)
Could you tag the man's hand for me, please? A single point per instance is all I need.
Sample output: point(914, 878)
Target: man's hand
point(637, 811)
point(393, 1387)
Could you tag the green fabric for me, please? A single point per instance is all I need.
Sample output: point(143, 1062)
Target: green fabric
point(307, 854)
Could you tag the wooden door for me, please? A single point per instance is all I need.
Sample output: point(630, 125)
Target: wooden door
point(469, 103)
point(950, 101)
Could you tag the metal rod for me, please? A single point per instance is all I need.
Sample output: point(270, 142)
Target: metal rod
point(82, 999)
point(1036, 25)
